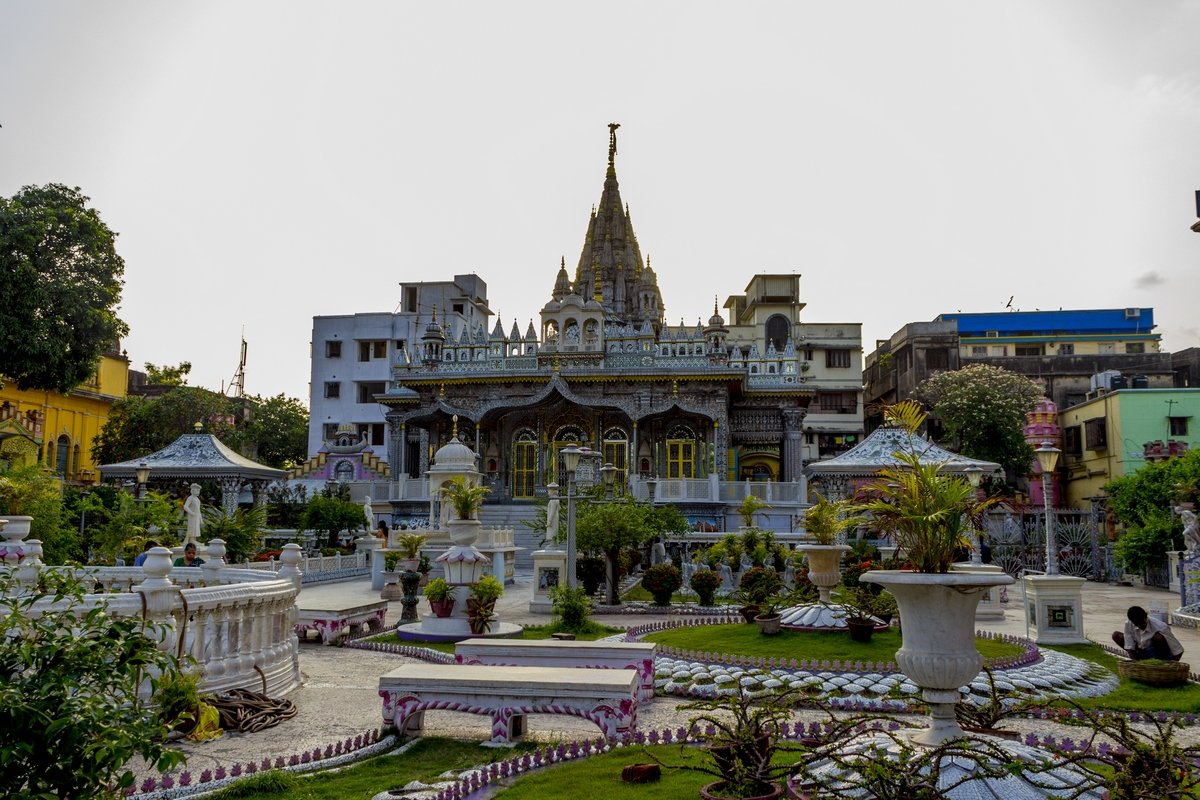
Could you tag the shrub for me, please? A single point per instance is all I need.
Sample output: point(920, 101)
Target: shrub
point(589, 571)
point(662, 580)
point(705, 583)
point(759, 584)
point(572, 606)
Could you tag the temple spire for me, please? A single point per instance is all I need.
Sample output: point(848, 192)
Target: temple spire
point(612, 147)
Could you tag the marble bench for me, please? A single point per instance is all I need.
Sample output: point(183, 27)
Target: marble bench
point(638, 656)
point(607, 698)
point(333, 621)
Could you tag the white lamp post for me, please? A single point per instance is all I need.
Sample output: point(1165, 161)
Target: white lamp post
point(570, 458)
point(974, 474)
point(1047, 456)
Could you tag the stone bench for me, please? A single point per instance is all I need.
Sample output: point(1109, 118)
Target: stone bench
point(333, 621)
point(638, 656)
point(607, 698)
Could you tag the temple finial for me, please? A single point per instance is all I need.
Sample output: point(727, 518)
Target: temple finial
point(454, 418)
point(612, 142)
point(714, 305)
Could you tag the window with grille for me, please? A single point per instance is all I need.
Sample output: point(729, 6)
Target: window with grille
point(837, 358)
point(333, 349)
point(1179, 426)
point(1096, 433)
point(333, 389)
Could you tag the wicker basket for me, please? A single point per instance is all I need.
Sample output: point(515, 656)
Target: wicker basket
point(1160, 673)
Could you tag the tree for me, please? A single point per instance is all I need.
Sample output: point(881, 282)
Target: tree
point(140, 425)
point(332, 515)
point(60, 283)
point(983, 410)
point(34, 492)
point(1143, 500)
point(241, 531)
point(608, 527)
point(168, 375)
point(279, 427)
point(71, 715)
point(121, 524)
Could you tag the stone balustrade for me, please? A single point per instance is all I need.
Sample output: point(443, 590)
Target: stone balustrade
point(237, 624)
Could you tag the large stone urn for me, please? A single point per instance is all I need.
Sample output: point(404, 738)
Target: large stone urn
point(824, 566)
point(938, 652)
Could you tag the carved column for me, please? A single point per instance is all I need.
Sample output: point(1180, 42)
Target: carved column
point(230, 489)
point(424, 449)
point(793, 444)
point(720, 437)
point(258, 490)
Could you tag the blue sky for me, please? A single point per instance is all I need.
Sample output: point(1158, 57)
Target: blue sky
point(268, 162)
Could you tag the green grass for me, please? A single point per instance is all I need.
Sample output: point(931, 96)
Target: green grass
point(530, 632)
point(601, 775)
point(424, 761)
point(747, 640)
point(1132, 695)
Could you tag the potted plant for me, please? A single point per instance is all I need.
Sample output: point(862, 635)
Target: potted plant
point(927, 513)
point(750, 505)
point(742, 746)
point(391, 577)
point(823, 521)
point(661, 580)
point(864, 611)
point(440, 596)
point(465, 498)
point(481, 604)
point(409, 545)
point(755, 588)
point(705, 583)
point(424, 566)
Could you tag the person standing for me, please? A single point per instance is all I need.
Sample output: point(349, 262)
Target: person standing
point(1145, 637)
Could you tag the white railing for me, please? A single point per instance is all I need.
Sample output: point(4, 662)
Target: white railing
point(682, 490)
point(237, 624)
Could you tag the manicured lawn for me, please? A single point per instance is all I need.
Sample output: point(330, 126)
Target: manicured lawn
point(1132, 695)
point(424, 761)
point(746, 640)
point(530, 632)
point(600, 776)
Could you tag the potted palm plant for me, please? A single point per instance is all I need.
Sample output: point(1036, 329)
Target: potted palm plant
point(409, 545)
point(440, 596)
point(823, 521)
point(465, 498)
point(391, 577)
point(927, 513)
point(481, 604)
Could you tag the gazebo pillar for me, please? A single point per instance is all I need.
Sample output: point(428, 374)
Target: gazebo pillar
point(793, 444)
point(230, 489)
point(258, 489)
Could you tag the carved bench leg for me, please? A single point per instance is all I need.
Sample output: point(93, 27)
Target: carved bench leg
point(507, 725)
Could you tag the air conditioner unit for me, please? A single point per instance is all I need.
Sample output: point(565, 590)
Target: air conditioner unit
point(992, 334)
point(1133, 313)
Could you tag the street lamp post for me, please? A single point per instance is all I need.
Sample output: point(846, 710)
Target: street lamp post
point(609, 473)
point(141, 475)
point(1047, 456)
point(570, 456)
point(974, 474)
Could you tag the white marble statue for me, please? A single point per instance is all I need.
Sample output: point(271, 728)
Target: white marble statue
point(552, 513)
point(1191, 534)
point(789, 574)
point(368, 513)
point(191, 510)
point(658, 553)
point(726, 577)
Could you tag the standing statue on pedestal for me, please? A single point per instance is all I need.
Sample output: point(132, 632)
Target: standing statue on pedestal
point(191, 510)
point(1191, 533)
point(368, 513)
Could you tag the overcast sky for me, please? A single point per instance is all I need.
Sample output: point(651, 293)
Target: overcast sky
point(268, 162)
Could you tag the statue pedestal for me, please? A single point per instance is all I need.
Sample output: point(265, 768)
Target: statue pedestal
point(989, 607)
point(549, 570)
point(1054, 609)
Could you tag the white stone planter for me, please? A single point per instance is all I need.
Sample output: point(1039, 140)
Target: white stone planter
point(824, 566)
point(464, 531)
point(939, 652)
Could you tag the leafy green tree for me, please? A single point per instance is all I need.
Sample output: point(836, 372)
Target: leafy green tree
point(285, 505)
point(60, 283)
point(1142, 502)
point(167, 375)
point(241, 531)
point(71, 716)
point(279, 428)
point(34, 492)
point(332, 515)
point(608, 527)
point(122, 525)
point(140, 425)
point(983, 411)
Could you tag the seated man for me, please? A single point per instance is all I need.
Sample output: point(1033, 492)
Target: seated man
point(1145, 637)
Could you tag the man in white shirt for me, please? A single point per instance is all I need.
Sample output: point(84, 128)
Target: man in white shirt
point(1145, 637)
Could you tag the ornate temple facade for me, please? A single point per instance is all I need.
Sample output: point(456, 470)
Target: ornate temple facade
point(746, 396)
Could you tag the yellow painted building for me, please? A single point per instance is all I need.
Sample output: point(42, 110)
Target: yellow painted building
point(57, 429)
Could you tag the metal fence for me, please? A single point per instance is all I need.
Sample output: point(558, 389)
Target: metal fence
point(1018, 543)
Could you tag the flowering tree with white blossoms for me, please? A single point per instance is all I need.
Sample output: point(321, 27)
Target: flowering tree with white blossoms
point(983, 411)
